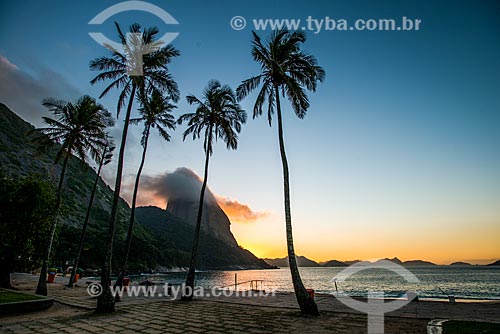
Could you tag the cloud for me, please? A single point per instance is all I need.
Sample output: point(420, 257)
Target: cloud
point(7, 63)
point(23, 92)
point(239, 212)
point(185, 184)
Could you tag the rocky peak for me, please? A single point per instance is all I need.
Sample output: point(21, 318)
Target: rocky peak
point(213, 220)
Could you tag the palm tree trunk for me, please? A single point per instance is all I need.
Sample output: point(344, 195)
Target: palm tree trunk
point(5, 277)
point(86, 221)
point(41, 288)
point(306, 303)
point(189, 288)
point(128, 243)
point(8, 260)
point(106, 301)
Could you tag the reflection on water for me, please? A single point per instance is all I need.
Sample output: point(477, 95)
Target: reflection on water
point(435, 282)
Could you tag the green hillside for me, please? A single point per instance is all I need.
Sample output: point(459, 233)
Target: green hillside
point(160, 241)
point(178, 236)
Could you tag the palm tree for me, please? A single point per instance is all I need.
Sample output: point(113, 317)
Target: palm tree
point(78, 128)
point(155, 113)
point(289, 71)
point(217, 116)
point(105, 158)
point(154, 75)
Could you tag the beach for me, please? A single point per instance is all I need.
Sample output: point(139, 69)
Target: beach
point(73, 312)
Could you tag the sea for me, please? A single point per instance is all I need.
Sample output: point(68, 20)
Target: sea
point(436, 282)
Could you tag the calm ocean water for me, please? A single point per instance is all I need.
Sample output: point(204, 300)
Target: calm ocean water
point(476, 282)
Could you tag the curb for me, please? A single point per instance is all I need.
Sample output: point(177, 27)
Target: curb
point(63, 302)
point(26, 306)
point(435, 326)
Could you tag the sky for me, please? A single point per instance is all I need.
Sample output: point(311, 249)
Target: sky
point(399, 154)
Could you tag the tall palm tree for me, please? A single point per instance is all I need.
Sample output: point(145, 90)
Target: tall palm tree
point(78, 128)
point(154, 74)
point(156, 112)
point(105, 158)
point(218, 116)
point(289, 71)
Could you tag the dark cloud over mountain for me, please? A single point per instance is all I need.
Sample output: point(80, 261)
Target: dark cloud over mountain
point(24, 92)
point(185, 184)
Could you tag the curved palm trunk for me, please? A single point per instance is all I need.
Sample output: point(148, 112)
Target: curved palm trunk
point(41, 288)
point(189, 288)
point(86, 221)
point(106, 301)
point(128, 243)
point(306, 303)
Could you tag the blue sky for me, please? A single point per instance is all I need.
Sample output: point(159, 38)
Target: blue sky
point(402, 140)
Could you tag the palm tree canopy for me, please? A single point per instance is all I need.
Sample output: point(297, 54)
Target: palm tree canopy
point(108, 157)
point(78, 127)
point(285, 66)
point(218, 115)
point(107, 149)
point(156, 112)
point(155, 74)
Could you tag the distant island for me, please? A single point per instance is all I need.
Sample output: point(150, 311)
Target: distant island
point(460, 264)
point(305, 262)
point(302, 261)
point(335, 263)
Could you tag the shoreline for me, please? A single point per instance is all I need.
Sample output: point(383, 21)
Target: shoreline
point(268, 314)
point(79, 296)
point(422, 293)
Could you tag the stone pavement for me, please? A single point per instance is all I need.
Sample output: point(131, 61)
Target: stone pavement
point(270, 314)
point(475, 311)
point(202, 316)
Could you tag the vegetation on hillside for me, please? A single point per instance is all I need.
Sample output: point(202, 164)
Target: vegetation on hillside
point(161, 241)
point(27, 209)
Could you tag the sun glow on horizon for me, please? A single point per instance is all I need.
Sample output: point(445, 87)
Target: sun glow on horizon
point(441, 240)
point(267, 240)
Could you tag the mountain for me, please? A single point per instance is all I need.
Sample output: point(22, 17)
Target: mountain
point(302, 261)
point(183, 188)
point(394, 260)
point(19, 157)
point(496, 263)
point(410, 263)
point(460, 264)
point(350, 263)
point(213, 221)
point(161, 240)
point(418, 263)
point(334, 263)
point(214, 253)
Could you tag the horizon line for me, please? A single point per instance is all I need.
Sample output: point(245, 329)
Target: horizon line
point(468, 261)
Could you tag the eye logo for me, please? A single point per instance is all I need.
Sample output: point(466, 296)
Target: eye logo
point(134, 49)
point(375, 307)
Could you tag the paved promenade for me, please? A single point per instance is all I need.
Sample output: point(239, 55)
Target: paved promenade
point(203, 316)
point(279, 314)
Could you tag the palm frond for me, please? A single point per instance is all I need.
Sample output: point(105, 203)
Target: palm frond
point(218, 116)
point(79, 127)
point(116, 67)
point(247, 86)
point(285, 66)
